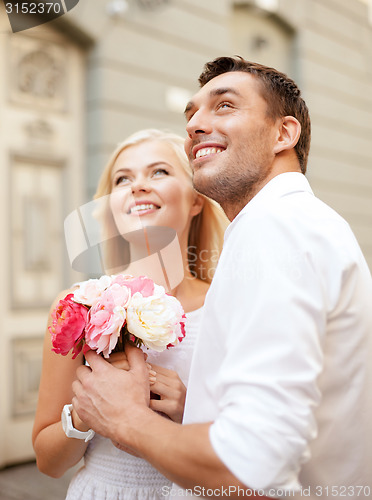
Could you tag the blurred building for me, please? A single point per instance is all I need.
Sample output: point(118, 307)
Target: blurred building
point(71, 89)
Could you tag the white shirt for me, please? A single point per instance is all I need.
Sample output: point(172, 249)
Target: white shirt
point(282, 364)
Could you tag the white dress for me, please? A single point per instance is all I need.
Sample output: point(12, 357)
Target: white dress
point(111, 474)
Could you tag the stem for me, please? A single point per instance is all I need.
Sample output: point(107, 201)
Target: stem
point(126, 336)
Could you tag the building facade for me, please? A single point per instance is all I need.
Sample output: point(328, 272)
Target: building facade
point(73, 88)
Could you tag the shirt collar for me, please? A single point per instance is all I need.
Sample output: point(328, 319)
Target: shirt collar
point(281, 185)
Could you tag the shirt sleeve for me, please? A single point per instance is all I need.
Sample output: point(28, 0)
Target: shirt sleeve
point(274, 302)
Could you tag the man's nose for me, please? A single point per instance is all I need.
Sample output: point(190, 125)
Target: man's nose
point(199, 123)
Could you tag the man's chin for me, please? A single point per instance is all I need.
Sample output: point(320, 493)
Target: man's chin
point(201, 182)
point(207, 185)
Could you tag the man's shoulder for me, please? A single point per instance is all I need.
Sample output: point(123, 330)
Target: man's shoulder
point(297, 208)
point(297, 220)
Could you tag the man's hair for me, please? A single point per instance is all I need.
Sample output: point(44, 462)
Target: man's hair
point(282, 95)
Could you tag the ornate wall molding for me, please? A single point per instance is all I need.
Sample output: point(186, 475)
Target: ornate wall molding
point(38, 73)
point(36, 230)
point(26, 356)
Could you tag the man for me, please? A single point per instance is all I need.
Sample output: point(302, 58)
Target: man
point(279, 397)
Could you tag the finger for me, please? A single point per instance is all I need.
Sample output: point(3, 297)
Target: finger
point(96, 361)
point(166, 375)
point(119, 360)
point(82, 380)
point(82, 371)
point(120, 364)
point(162, 406)
point(163, 390)
point(167, 379)
point(117, 356)
point(164, 380)
point(162, 370)
point(77, 391)
point(158, 404)
point(152, 377)
point(75, 387)
point(171, 408)
point(136, 359)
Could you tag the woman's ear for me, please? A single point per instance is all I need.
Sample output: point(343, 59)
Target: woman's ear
point(288, 134)
point(197, 205)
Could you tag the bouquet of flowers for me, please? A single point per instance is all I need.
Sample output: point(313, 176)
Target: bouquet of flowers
point(103, 311)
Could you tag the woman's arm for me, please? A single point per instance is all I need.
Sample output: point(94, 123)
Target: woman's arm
point(55, 452)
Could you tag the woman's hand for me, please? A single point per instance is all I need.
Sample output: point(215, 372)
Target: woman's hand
point(78, 423)
point(168, 385)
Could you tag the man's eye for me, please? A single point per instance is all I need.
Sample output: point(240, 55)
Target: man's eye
point(224, 105)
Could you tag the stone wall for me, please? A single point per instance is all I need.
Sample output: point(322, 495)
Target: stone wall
point(139, 70)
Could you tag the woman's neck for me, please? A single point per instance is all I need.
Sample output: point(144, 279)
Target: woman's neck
point(161, 255)
point(169, 268)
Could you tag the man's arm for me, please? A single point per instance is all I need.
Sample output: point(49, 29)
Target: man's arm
point(183, 453)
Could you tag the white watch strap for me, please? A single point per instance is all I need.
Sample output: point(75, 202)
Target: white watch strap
point(69, 428)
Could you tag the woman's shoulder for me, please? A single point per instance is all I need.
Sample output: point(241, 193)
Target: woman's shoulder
point(62, 294)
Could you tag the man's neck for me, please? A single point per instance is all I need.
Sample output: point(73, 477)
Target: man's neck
point(282, 165)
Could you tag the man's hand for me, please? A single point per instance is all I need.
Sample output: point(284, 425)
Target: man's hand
point(107, 397)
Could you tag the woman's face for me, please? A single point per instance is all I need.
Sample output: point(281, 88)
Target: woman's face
point(150, 188)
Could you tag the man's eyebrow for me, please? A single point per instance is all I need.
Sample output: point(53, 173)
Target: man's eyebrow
point(214, 93)
point(189, 106)
point(224, 90)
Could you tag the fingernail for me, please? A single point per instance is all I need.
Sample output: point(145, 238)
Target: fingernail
point(152, 380)
point(148, 366)
point(151, 372)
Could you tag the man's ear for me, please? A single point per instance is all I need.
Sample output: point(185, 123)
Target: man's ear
point(288, 134)
point(197, 205)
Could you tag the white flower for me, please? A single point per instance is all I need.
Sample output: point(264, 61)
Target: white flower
point(155, 319)
point(91, 290)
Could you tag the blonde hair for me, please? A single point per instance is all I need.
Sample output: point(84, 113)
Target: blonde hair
point(206, 230)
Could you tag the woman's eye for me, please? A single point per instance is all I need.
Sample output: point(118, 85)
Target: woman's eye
point(123, 179)
point(160, 171)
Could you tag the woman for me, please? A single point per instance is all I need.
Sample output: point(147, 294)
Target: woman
point(156, 221)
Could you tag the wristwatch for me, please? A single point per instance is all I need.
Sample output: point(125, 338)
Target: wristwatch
point(69, 428)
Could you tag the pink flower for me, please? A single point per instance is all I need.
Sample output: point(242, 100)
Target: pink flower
point(142, 284)
point(89, 291)
point(106, 318)
point(68, 323)
point(94, 316)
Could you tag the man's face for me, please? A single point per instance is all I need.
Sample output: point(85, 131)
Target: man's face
point(231, 140)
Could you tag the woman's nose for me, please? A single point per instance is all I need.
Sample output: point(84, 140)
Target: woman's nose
point(140, 184)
